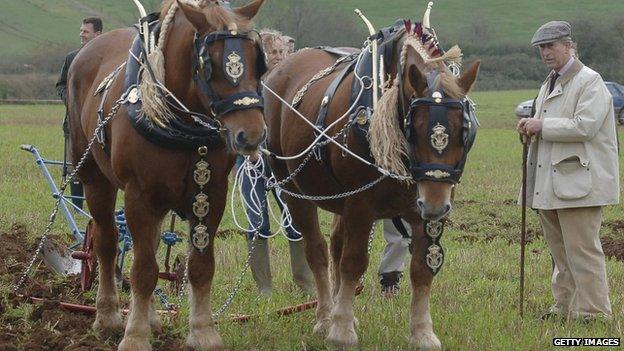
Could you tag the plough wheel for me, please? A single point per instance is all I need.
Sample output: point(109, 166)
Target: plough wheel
point(179, 269)
point(89, 263)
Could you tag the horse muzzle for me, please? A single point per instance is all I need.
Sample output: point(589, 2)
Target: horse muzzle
point(430, 212)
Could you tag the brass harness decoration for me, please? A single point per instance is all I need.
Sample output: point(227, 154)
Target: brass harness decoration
point(439, 138)
point(435, 254)
point(234, 67)
point(201, 206)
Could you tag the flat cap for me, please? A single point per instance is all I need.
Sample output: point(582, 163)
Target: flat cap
point(551, 31)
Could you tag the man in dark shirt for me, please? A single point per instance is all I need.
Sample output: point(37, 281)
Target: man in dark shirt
point(91, 27)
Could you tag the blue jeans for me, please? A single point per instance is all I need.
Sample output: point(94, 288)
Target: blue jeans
point(262, 221)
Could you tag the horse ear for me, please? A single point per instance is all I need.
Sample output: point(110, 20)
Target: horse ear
point(468, 79)
point(194, 15)
point(250, 10)
point(413, 81)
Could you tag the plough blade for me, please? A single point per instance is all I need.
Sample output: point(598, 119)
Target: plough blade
point(59, 259)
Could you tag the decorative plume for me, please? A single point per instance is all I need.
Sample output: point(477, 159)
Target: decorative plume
point(408, 25)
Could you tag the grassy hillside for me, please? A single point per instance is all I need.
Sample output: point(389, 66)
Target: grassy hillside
point(29, 24)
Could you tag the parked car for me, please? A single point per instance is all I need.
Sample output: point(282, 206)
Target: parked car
point(617, 91)
point(524, 109)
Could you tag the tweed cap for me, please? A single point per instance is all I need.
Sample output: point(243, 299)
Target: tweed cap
point(551, 31)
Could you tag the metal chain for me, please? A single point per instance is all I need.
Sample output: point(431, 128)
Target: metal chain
point(370, 245)
point(239, 282)
point(299, 168)
point(336, 196)
point(69, 179)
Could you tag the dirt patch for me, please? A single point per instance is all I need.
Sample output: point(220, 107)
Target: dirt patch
point(47, 326)
point(613, 248)
point(616, 225)
point(224, 234)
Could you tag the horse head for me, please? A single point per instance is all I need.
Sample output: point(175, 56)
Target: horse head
point(228, 63)
point(431, 121)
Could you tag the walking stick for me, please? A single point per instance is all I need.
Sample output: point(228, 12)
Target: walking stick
point(525, 152)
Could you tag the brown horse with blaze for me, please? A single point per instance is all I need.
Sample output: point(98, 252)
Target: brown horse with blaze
point(158, 177)
point(420, 130)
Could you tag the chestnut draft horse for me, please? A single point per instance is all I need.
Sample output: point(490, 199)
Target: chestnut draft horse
point(212, 60)
point(423, 127)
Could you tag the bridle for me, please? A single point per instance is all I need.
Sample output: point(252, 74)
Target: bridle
point(438, 130)
point(234, 68)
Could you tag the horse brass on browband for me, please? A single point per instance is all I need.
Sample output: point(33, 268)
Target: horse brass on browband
point(437, 97)
point(246, 101)
point(438, 174)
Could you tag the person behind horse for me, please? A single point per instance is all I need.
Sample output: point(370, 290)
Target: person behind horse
point(290, 43)
point(276, 50)
point(91, 27)
point(397, 234)
point(572, 174)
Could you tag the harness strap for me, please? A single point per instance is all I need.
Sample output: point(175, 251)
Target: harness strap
point(398, 224)
point(329, 94)
point(321, 151)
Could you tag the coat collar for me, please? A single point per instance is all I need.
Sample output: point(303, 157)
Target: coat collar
point(564, 79)
point(576, 68)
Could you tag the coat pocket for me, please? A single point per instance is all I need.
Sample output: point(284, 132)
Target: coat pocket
point(571, 172)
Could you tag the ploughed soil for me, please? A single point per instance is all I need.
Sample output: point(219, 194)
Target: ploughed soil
point(45, 326)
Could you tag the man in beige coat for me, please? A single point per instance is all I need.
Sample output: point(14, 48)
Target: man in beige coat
point(572, 173)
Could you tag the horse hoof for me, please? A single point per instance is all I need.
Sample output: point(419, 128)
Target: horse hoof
point(134, 344)
point(425, 341)
point(109, 326)
point(321, 327)
point(342, 338)
point(209, 341)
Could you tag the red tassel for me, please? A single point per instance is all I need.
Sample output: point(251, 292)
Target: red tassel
point(408, 25)
point(418, 29)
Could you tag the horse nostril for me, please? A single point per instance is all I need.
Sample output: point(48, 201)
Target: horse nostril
point(420, 203)
point(241, 138)
point(448, 209)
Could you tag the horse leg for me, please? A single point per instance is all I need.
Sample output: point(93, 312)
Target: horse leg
point(305, 218)
point(336, 252)
point(144, 225)
point(353, 264)
point(200, 271)
point(101, 195)
point(421, 325)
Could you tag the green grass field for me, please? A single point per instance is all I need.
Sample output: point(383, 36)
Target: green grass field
point(28, 24)
point(474, 299)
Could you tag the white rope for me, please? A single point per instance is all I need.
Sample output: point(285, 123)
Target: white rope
point(255, 203)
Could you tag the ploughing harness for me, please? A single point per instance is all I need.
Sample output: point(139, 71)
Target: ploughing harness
point(438, 132)
point(192, 130)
